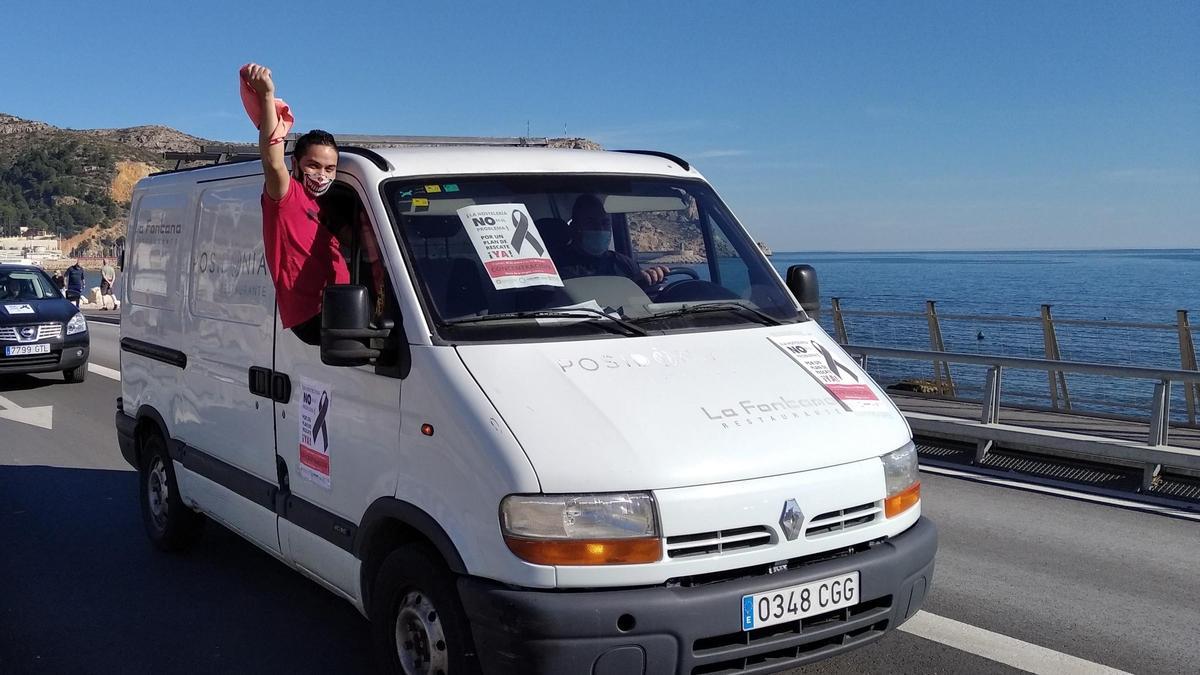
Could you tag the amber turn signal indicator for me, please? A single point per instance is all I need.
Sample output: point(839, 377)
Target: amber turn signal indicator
point(586, 551)
point(902, 501)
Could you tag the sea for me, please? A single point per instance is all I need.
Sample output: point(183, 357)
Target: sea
point(1107, 287)
point(1113, 286)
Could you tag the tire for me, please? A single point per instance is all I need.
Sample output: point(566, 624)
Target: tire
point(76, 374)
point(415, 591)
point(169, 523)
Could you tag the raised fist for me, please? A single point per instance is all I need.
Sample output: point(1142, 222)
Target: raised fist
point(259, 78)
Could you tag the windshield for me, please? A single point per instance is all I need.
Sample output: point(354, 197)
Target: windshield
point(25, 285)
point(491, 254)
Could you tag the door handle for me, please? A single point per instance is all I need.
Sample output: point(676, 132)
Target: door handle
point(260, 381)
point(281, 387)
point(270, 384)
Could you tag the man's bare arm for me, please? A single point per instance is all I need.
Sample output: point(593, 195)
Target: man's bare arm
point(274, 169)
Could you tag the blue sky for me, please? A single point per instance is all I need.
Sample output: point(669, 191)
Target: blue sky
point(826, 126)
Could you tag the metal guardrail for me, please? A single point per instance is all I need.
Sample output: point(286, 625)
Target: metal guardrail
point(990, 429)
point(1060, 397)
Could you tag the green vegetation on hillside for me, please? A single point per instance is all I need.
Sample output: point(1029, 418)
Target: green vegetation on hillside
point(59, 186)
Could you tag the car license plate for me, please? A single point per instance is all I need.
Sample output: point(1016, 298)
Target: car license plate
point(22, 350)
point(800, 601)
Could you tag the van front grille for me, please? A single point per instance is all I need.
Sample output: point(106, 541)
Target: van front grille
point(836, 522)
point(718, 542)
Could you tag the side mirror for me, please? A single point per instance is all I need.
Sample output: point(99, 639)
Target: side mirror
point(802, 282)
point(346, 329)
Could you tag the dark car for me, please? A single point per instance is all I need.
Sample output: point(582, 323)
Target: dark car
point(40, 330)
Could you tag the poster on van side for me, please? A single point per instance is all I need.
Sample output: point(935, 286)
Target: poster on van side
point(315, 399)
point(839, 379)
point(509, 245)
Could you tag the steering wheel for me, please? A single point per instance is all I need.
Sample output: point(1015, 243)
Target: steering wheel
point(686, 271)
point(663, 285)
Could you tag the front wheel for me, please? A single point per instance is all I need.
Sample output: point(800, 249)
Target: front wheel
point(417, 621)
point(169, 523)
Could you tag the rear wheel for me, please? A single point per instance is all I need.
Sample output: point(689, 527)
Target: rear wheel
point(76, 374)
point(170, 524)
point(417, 621)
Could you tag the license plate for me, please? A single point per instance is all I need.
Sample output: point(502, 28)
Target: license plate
point(22, 350)
point(800, 601)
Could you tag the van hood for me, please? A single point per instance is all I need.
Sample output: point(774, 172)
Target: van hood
point(685, 409)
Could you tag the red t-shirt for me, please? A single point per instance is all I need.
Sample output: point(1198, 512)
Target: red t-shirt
point(303, 256)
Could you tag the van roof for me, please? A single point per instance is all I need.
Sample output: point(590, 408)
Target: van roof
point(468, 160)
point(471, 160)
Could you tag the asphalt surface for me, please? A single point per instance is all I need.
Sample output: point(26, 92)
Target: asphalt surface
point(81, 589)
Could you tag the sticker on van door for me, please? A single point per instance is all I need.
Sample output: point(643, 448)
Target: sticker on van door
point(508, 243)
point(839, 379)
point(315, 401)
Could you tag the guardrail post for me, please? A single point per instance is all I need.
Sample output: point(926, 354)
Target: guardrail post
point(1160, 413)
point(1187, 360)
point(941, 369)
point(1160, 425)
point(990, 410)
point(1058, 379)
point(839, 324)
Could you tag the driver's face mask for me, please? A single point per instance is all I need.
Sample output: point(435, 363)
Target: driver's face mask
point(595, 242)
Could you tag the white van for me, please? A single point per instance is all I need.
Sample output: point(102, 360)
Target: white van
point(510, 454)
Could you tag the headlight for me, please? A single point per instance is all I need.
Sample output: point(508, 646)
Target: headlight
point(903, 480)
point(77, 324)
point(602, 529)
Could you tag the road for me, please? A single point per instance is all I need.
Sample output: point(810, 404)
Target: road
point(1081, 585)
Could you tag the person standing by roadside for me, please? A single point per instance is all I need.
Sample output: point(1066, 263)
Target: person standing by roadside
point(107, 275)
point(75, 280)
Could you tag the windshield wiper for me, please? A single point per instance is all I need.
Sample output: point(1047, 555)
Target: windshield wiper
point(615, 324)
point(762, 317)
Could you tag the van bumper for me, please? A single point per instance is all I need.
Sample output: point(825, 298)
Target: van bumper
point(562, 632)
point(126, 428)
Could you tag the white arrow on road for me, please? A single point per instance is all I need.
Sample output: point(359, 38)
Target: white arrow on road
point(38, 415)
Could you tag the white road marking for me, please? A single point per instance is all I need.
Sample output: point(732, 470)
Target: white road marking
point(1000, 648)
point(1046, 489)
point(38, 415)
point(103, 371)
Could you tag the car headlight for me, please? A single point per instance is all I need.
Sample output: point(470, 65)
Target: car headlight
point(599, 529)
point(902, 476)
point(77, 324)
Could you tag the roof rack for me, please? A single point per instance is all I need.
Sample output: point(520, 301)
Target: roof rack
point(214, 154)
point(374, 141)
point(228, 154)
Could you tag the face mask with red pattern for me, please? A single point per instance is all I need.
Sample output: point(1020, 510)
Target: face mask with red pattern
point(315, 183)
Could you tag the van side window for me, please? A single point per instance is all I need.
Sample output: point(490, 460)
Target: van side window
point(346, 216)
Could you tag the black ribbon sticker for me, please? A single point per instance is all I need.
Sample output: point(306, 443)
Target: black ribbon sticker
point(319, 426)
point(831, 363)
point(523, 234)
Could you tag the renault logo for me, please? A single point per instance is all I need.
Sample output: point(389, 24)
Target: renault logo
point(791, 520)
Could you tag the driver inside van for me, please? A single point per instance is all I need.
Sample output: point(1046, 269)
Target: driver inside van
point(302, 254)
point(589, 253)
